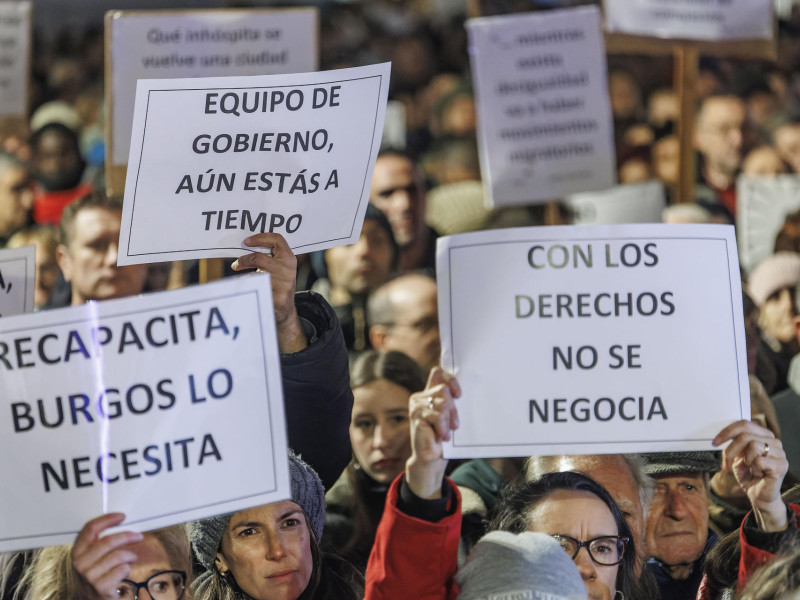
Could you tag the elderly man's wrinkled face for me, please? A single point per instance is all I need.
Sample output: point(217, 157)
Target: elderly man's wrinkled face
point(677, 522)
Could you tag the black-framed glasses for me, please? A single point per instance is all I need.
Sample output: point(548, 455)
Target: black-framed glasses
point(608, 550)
point(164, 585)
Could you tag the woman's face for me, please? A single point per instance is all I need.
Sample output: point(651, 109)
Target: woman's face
point(379, 429)
point(583, 516)
point(151, 558)
point(268, 551)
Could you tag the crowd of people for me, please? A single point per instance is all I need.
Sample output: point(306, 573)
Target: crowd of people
point(376, 512)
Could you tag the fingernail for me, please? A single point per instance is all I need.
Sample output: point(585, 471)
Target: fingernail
point(235, 264)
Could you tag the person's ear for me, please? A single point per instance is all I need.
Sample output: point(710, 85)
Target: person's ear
point(221, 564)
point(377, 337)
point(64, 261)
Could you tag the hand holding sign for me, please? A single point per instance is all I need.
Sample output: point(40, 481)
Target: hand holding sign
point(281, 264)
point(433, 417)
point(757, 459)
point(103, 562)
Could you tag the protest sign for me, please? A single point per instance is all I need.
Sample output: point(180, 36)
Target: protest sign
point(587, 340)
point(762, 205)
point(15, 58)
point(198, 43)
point(17, 273)
point(167, 407)
point(709, 20)
point(216, 160)
point(544, 115)
point(632, 203)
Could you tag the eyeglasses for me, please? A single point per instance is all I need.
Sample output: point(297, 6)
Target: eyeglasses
point(607, 551)
point(164, 585)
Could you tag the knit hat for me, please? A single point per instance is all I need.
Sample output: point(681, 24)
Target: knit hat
point(307, 491)
point(507, 566)
point(671, 463)
point(457, 208)
point(781, 270)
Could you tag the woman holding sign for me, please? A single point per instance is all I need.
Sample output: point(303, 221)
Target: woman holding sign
point(423, 512)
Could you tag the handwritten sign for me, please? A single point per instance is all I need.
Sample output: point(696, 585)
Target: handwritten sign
point(601, 339)
point(167, 407)
point(763, 204)
point(632, 203)
point(544, 115)
point(219, 159)
point(710, 20)
point(15, 57)
point(201, 43)
point(17, 273)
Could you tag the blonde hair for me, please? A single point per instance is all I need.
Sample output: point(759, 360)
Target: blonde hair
point(51, 576)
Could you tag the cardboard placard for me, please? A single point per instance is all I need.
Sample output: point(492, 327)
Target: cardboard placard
point(544, 115)
point(17, 280)
point(167, 407)
point(689, 19)
point(762, 206)
point(218, 159)
point(632, 203)
point(15, 58)
point(592, 339)
point(197, 43)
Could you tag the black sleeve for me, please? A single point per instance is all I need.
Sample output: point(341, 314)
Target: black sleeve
point(316, 389)
point(427, 510)
point(771, 541)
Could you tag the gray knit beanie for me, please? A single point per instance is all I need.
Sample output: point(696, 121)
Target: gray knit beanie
point(507, 566)
point(672, 463)
point(307, 491)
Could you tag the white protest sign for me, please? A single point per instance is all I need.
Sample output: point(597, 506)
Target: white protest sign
point(544, 114)
point(167, 407)
point(711, 20)
point(592, 339)
point(17, 279)
point(632, 203)
point(198, 43)
point(215, 160)
point(762, 204)
point(15, 53)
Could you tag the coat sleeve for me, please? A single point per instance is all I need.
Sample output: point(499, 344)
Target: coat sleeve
point(412, 558)
point(752, 557)
point(316, 389)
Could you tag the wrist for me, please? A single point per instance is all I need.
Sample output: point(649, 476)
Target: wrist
point(771, 517)
point(291, 337)
point(425, 479)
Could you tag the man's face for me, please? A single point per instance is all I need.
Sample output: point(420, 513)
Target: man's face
point(361, 267)
point(677, 522)
point(415, 327)
point(719, 133)
point(787, 143)
point(398, 190)
point(16, 199)
point(89, 263)
point(56, 164)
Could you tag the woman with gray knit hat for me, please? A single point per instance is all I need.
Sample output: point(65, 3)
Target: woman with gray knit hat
point(272, 551)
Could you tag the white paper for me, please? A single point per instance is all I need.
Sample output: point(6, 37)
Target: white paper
point(632, 203)
point(190, 383)
point(544, 115)
point(193, 43)
point(547, 366)
point(762, 206)
point(17, 280)
point(201, 179)
point(15, 42)
point(710, 20)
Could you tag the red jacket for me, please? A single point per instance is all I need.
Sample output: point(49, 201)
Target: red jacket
point(413, 558)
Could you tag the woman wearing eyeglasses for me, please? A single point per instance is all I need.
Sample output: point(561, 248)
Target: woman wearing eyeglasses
point(122, 566)
point(415, 551)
